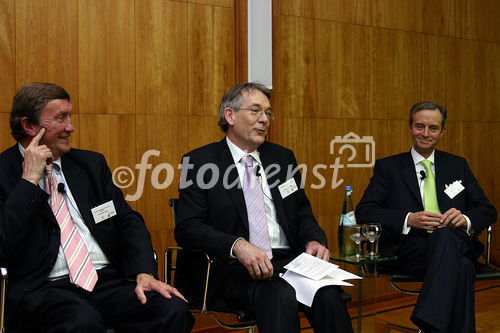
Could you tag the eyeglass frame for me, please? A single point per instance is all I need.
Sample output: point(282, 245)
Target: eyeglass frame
point(270, 115)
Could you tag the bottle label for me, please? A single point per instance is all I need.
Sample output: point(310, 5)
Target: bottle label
point(349, 219)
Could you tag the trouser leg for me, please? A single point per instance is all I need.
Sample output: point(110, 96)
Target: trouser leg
point(57, 307)
point(115, 298)
point(328, 312)
point(448, 289)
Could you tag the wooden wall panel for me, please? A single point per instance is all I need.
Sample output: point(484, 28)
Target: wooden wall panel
point(471, 79)
point(479, 20)
point(453, 140)
point(470, 19)
point(336, 70)
point(297, 67)
point(203, 130)
point(208, 42)
point(106, 56)
point(111, 135)
point(7, 54)
point(167, 135)
point(223, 46)
point(221, 3)
point(47, 44)
point(162, 62)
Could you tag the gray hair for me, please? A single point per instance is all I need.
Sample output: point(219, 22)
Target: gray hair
point(232, 99)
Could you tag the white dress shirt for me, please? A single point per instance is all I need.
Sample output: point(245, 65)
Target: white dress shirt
point(98, 257)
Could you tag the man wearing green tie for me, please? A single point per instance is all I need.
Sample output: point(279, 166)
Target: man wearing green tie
point(431, 208)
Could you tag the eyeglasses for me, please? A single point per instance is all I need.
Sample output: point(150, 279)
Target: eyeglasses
point(258, 113)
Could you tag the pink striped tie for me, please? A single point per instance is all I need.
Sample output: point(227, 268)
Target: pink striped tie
point(254, 200)
point(81, 269)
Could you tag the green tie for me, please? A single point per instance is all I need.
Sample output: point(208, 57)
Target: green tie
point(430, 196)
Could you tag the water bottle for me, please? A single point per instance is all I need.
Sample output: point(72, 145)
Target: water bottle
point(347, 218)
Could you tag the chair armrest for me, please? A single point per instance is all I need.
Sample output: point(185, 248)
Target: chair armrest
point(488, 244)
point(394, 279)
point(174, 266)
point(3, 284)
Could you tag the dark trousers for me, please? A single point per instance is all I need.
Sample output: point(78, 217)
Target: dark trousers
point(276, 307)
point(59, 306)
point(444, 260)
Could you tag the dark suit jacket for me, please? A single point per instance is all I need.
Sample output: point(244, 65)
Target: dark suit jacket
point(211, 219)
point(29, 233)
point(393, 192)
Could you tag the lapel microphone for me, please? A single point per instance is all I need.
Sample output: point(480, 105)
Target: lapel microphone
point(422, 175)
point(60, 188)
point(257, 171)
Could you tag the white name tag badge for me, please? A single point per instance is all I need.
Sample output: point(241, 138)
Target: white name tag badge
point(104, 211)
point(288, 188)
point(455, 188)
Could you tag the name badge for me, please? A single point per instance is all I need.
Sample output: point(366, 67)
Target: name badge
point(104, 211)
point(288, 188)
point(453, 189)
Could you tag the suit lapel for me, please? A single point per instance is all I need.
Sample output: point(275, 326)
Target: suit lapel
point(267, 159)
point(234, 191)
point(441, 167)
point(17, 162)
point(78, 184)
point(410, 177)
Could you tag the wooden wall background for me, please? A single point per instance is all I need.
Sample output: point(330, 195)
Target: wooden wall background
point(149, 74)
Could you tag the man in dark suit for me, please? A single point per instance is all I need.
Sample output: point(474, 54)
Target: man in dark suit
point(218, 212)
point(113, 283)
point(431, 208)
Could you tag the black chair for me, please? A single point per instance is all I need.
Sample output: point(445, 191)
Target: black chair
point(189, 271)
point(397, 280)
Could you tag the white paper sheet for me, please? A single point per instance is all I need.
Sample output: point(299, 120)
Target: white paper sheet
point(307, 274)
point(310, 266)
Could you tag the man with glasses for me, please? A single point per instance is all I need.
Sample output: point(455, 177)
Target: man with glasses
point(255, 217)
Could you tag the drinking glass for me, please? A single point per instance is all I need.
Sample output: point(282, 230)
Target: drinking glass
point(372, 232)
point(355, 233)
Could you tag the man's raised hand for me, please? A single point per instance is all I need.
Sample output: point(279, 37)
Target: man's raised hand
point(35, 159)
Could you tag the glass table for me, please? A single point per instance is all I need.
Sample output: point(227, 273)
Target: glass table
point(367, 269)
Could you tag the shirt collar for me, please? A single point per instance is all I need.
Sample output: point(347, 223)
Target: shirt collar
point(417, 158)
point(237, 153)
